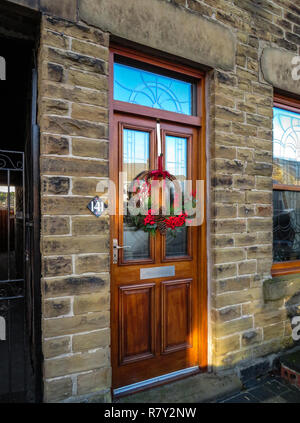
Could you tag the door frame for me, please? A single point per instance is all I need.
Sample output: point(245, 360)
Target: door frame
point(198, 121)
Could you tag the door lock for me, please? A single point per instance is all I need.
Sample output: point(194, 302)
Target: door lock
point(116, 248)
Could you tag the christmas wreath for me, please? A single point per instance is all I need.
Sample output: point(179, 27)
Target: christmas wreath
point(155, 219)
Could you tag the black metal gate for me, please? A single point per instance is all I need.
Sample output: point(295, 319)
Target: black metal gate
point(15, 374)
point(20, 302)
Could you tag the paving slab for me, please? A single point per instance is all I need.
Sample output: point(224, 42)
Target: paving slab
point(268, 389)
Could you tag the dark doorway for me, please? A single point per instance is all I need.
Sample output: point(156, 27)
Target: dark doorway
point(20, 357)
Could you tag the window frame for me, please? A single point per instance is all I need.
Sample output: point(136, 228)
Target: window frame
point(137, 109)
point(293, 266)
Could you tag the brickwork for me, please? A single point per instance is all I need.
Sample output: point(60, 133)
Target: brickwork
point(245, 325)
point(73, 118)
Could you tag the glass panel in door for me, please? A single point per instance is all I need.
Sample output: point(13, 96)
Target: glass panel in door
point(136, 158)
point(176, 164)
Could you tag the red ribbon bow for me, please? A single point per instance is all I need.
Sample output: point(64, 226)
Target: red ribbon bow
point(159, 173)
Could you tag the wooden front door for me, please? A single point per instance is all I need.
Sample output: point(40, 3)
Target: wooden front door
point(157, 288)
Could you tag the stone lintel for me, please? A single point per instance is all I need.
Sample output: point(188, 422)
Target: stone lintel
point(277, 67)
point(165, 27)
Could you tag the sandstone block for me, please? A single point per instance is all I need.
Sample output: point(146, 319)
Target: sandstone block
point(92, 263)
point(251, 337)
point(273, 331)
point(54, 347)
point(237, 325)
point(76, 285)
point(76, 363)
point(228, 344)
point(238, 297)
point(93, 302)
point(94, 381)
point(55, 225)
point(75, 245)
point(90, 113)
point(52, 144)
point(58, 390)
point(90, 148)
point(247, 267)
point(73, 167)
point(57, 266)
point(87, 79)
point(76, 324)
point(92, 340)
point(57, 307)
point(89, 49)
point(228, 313)
point(56, 186)
point(67, 126)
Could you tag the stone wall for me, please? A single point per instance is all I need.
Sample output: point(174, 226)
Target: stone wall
point(73, 118)
point(250, 313)
point(245, 324)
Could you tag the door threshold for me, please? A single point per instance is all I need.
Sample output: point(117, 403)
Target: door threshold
point(155, 381)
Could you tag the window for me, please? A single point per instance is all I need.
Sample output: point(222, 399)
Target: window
point(165, 95)
point(152, 89)
point(286, 186)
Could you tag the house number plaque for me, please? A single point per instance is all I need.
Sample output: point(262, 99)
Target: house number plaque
point(157, 272)
point(97, 206)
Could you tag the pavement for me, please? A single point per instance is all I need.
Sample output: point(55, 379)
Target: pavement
point(266, 389)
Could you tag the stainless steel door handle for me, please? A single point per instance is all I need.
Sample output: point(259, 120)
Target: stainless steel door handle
point(116, 248)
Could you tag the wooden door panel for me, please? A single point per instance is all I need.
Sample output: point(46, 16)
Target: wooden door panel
point(176, 315)
point(137, 322)
point(155, 322)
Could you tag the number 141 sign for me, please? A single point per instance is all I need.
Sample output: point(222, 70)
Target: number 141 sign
point(97, 206)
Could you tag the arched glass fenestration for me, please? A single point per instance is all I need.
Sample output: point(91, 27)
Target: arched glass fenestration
point(145, 88)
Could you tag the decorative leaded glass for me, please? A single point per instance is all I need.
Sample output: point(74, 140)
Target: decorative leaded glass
point(176, 164)
point(176, 156)
point(138, 86)
point(286, 171)
point(286, 147)
point(286, 227)
point(136, 146)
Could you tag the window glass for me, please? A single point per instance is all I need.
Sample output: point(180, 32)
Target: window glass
point(176, 164)
point(286, 147)
point(286, 232)
point(286, 171)
point(138, 86)
point(135, 162)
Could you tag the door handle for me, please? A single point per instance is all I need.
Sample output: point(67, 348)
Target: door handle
point(116, 248)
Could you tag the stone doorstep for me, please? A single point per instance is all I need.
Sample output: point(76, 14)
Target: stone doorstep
point(203, 387)
point(290, 368)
